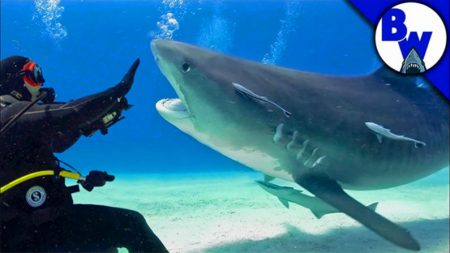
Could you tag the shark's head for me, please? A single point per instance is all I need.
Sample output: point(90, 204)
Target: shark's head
point(201, 100)
point(203, 80)
point(413, 63)
point(210, 105)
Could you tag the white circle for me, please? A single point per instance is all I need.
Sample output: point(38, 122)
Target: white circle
point(36, 196)
point(419, 18)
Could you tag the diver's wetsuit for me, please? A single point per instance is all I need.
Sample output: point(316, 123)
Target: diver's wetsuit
point(57, 224)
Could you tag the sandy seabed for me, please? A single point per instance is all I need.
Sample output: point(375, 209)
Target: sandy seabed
point(228, 212)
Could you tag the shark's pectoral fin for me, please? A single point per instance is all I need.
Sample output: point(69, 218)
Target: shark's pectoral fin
point(284, 202)
point(331, 192)
point(318, 213)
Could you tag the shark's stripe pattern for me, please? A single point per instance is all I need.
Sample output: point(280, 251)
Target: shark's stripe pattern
point(304, 152)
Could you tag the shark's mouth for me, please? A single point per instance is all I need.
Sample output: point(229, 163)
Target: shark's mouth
point(413, 68)
point(173, 107)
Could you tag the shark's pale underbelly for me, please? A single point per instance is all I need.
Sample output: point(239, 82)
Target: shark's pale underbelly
point(256, 160)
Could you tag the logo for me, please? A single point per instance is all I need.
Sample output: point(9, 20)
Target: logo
point(410, 38)
point(36, 196)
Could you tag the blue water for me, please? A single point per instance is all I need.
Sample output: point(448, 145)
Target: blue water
point(86, 46)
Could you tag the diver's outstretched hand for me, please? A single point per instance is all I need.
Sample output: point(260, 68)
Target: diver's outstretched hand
point(95, 179)
point(127, 81)
point(116, 95)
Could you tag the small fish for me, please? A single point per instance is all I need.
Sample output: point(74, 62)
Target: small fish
point(381, 132)
point(241, 89)
point(288, 195)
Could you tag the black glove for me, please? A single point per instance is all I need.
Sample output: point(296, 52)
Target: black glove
point(95, 179)
point(113, 116)
point(127, 81)
point(51, 95)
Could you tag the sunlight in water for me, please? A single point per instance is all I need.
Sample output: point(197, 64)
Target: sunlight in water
point(217, 33)
point(49, 13)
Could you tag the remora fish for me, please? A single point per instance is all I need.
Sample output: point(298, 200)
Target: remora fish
point(381, 132)
point(288, 194)
point(324, 145)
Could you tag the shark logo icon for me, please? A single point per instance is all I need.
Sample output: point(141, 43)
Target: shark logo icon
point(413, 63)
point(408, 44)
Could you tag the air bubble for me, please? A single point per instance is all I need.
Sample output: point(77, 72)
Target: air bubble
point(167, 26)
point(287, 26)
point(49, 12)
point(168, 23)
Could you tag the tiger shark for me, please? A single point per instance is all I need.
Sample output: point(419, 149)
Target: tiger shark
point(326, 133)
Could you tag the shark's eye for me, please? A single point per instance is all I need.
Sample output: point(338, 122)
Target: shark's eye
point(186, 67)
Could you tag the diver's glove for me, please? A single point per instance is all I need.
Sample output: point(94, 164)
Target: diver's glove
point(50, 97)
point(96, 179)
point(113, 116)
point(127, 81)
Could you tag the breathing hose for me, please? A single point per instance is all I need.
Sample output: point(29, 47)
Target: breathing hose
point(42, 173)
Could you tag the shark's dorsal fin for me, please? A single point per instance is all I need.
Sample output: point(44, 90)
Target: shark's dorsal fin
point(411, 86)
point(391, 77)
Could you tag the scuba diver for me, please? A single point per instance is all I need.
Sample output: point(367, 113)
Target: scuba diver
point(36, 207)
